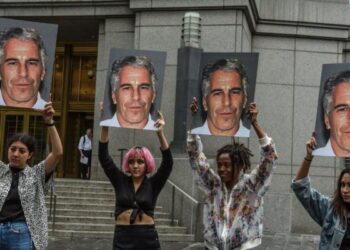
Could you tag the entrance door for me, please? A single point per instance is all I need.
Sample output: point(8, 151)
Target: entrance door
point(80, 121)
point(14, 122)
point(74, 94)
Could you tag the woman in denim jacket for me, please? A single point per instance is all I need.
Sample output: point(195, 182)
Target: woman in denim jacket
point(332, 214)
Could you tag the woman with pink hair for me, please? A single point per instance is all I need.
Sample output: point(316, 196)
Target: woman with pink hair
point(136, 191)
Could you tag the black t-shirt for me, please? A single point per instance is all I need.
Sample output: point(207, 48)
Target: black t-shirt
point(12, 209)
point(145, 198)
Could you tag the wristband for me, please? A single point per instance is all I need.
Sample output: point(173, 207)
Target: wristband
point(306, 159)
point(50, 124)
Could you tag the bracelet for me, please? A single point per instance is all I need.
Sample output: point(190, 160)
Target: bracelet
point(306, 159)
point(50, 124)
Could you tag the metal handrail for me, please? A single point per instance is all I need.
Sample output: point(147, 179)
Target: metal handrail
point(183, 192)
point(193, 200)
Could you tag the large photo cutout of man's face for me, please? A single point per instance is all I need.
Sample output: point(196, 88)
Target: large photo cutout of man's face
point(26, 63)
point(227, 86)
point(333, 114)
point(133, 91)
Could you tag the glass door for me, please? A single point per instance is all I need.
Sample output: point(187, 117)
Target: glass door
point(13, 122)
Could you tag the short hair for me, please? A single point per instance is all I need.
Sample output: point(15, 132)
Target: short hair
point(134, 61)
point(329, 87)
point(239, 155)
point(27, 140)
point(143, 152)
point(226, 65)
point(24, 34)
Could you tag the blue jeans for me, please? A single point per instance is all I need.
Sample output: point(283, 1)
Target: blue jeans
point(15, 236)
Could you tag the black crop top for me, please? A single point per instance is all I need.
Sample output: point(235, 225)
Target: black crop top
point(144, 200)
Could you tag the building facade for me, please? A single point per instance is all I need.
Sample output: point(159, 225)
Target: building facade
point(293, 38)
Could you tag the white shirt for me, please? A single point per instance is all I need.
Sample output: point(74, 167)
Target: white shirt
point(204, 130)
point(327, 150)
point(40, 103)
point(113, 122)
point(85, 145)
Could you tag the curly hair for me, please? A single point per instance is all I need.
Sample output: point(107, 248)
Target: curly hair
point(239, 155)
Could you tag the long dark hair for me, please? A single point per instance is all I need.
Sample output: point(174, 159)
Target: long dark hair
point(338, 204)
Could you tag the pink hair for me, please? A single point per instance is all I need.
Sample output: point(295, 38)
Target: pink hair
point(140, 152)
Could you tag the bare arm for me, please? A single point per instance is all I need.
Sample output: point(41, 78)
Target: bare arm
point(253, 115)
point(160, 123)
point(53, 158)
point(304, 168)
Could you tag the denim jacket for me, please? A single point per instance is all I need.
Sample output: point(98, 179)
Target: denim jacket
point(233, 220)
point(319, 208)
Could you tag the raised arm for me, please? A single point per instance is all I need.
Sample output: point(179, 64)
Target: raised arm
point(253, 116)
point(206, 177)
point(53, 158)
point(315, 203)
point(160, 177)
point(159, 124)
point(304, 168)
point(260, 177)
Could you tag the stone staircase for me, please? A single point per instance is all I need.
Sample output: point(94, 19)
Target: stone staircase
point(85, 209)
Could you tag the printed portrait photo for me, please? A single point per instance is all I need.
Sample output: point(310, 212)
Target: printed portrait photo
point(133, 89)
point(226, 87)
point(27, 52)
point(333, 113)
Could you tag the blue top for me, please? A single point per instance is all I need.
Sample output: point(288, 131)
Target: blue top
point(320, 209)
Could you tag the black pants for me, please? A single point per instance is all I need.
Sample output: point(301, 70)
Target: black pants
point(85, 169)
point(135, 237)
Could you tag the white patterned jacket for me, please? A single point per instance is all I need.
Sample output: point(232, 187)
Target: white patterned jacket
point(233, 220)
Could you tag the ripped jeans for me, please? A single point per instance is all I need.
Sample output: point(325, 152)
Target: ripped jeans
point(15, 236)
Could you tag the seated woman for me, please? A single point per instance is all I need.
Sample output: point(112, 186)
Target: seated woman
point(233, 215)
point(23, 215)
point(136, 192)
point(332, 214)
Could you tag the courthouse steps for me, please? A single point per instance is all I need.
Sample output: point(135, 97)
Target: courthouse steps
point(86, 209)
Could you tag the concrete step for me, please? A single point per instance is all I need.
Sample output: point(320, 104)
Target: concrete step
point(80, 206)
point(84, 189)
point(86, 209)
point(102, 220)
point(61, 204)
point(72, 193)
point(82, 200)
point(82, 183)
point(109, 235)
point(101, 213)
point(110, 227)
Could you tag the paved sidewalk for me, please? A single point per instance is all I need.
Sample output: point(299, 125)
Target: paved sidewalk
point(270, 242)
